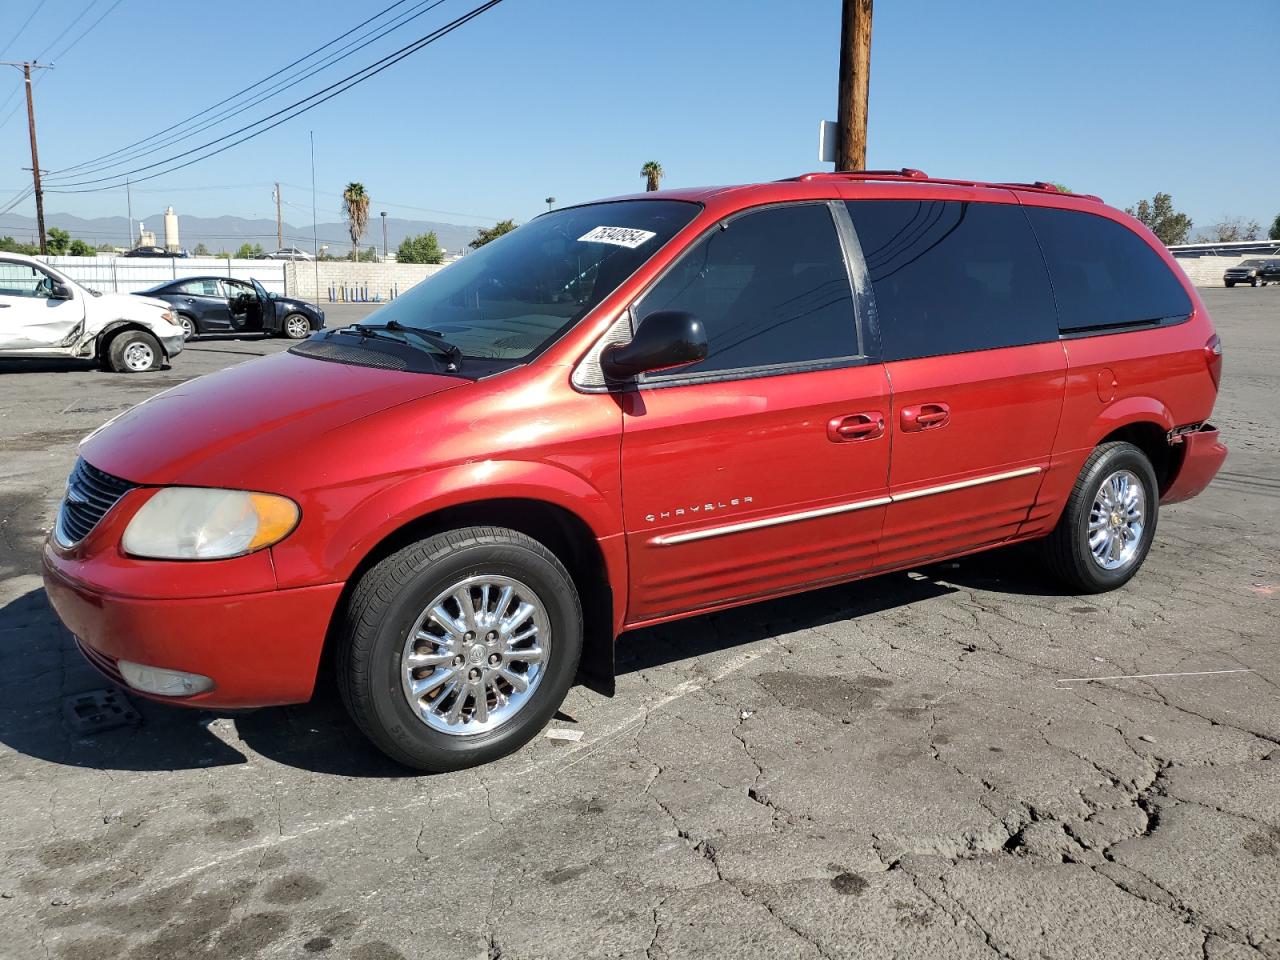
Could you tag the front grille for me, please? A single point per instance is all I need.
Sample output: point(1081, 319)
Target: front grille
point(90, 494)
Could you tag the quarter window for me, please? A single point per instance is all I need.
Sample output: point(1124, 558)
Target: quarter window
point(1104, 274)
point(953, 276)
point(769, 287)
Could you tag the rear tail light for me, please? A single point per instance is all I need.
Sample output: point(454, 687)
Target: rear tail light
point(1213, 357)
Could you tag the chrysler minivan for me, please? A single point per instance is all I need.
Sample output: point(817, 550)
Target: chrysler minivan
point(632, 411)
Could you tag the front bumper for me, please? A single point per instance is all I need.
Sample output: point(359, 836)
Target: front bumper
point(1202, 457)
point(260, 649)
point(172, 345)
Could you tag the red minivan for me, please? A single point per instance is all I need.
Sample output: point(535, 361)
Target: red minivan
point(632, 411)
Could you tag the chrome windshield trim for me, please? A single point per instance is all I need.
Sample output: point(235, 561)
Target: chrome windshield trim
point(669, 540)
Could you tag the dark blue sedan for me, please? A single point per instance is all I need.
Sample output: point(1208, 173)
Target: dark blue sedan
point(222, 305)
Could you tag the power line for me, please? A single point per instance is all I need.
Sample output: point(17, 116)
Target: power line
point(67, 29)
point(127, 154)
point(87, 30)
point(25, 23)
point(237, 94)
point(285, 114)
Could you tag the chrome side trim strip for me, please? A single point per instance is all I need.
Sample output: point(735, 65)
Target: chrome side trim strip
point(675, 538)
point(962, 484)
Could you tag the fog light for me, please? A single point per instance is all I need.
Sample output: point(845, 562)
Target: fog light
point(162, 682)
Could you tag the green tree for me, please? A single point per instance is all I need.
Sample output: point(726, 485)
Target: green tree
point(247, 252)
point(421, 249)
point(201, 250)
point(355, 207)
point(78, 248)
point(1275, 228)
point(369, 255)
point(1062, 187)
point(57, 241)
point(487, 234)
point(653, 174)
point(10, 245)
point(1170, 226)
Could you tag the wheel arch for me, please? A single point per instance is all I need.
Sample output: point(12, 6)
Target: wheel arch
point(1144, 422)
point(596, 564)
point(103, 337)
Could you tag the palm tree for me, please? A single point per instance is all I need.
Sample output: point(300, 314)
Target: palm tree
point(355, 203)
point(652, 173)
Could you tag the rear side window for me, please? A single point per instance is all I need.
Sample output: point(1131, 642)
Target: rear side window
point(770, 288)
point(1104, 274)
point(953, 276)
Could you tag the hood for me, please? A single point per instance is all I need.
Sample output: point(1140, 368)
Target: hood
point(292, 304)
point(122, 302)
point(243, 425)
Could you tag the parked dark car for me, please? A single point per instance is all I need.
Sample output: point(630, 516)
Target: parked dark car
point(155, 252)
point(1256, 273)
point(222, 305)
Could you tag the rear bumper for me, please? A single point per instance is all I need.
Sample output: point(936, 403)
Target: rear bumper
point(260, 649)
point(1202, 458)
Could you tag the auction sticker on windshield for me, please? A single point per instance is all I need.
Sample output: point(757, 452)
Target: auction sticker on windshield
point(628, 237)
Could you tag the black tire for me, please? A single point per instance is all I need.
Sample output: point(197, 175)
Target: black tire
point(1228, 283)
point(385, 606)
point(1066, 550)
point(188, 324)
point(1253, 282)
point(295, 326)
point(134, 351)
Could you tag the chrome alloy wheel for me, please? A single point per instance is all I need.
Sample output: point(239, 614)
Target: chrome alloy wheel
point(1117, 519)
point(475, 655)
point(139, 356)
point(297, 326)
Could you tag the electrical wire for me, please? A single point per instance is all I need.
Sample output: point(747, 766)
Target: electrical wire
point(285, 114)
point(22, 29)
point(351, 48)
point(237, 94)
point(87, 30)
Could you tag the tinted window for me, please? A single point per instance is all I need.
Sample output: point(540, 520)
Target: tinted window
point(1103, 273)
point(951, 276)
point(770, 287)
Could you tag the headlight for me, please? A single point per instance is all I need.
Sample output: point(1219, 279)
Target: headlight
point(195, 523)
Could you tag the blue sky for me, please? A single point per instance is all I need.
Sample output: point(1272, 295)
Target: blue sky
point(569, 98)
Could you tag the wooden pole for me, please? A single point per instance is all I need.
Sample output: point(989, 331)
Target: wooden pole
point(855, 71)
point(279, 223)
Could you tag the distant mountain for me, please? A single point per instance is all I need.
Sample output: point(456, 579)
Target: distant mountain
point(227, 233)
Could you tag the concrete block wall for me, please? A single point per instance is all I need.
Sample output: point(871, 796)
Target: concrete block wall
point(383, 279)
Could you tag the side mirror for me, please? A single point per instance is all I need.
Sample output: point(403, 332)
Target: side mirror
point(666, 339)
point(61, 291)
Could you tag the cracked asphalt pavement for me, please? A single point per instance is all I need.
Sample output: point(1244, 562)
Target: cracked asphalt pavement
point(893, 768)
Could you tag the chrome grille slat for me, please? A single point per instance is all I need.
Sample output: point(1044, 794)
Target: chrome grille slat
point(90, 494)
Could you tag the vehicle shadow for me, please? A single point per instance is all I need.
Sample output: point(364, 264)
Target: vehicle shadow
point(40, 668)
point(46, 365)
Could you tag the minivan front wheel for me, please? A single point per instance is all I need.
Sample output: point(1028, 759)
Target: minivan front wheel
point(458, 649)
point(1106, 529)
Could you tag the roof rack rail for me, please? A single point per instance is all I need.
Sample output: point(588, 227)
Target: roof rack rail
point(919, 176)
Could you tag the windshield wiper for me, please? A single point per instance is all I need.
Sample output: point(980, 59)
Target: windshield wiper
point(431, 340)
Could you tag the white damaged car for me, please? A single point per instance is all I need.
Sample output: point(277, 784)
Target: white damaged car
point(44, 313)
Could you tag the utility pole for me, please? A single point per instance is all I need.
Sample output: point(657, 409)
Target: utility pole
point(384, 235)
point(855, 70)
point(279, 223)
point(26, 66)
point(128, 193)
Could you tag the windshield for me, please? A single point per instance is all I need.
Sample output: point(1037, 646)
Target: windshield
point(516, 294)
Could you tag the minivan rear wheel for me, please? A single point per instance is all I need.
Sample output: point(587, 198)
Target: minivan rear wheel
point(456, 650)
point(1106, 529)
